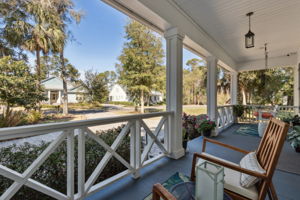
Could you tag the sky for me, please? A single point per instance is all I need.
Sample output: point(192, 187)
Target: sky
point(99, 37)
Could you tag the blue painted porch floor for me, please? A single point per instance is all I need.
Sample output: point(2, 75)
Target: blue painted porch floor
point(287, 184)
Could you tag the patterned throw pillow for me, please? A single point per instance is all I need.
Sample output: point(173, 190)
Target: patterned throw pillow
point(250, 162)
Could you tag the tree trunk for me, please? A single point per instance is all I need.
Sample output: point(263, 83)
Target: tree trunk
point(289, 101)
point(65, 87)
point(142, 101)
point(38, 72)
point(148, 100)
point(193, 94)
point(244, 97)
point(38, 66)
point(7, 109)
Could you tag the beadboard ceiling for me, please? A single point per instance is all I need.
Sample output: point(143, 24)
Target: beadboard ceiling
point(276, 22)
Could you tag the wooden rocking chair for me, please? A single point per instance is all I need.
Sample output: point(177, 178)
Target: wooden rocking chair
point(267, 154)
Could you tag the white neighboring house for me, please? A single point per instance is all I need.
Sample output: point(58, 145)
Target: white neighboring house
point(118, 93)
point(156, 97)
point(54, 89)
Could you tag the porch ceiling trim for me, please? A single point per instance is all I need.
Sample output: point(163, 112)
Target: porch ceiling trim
point(161, 15)
point(136, 14)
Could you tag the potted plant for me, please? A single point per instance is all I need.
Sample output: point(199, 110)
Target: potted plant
point(206, 127)
point(285, 117)
point(190, 123)
point(294, 138)
point(296, 120)
point(185, 138)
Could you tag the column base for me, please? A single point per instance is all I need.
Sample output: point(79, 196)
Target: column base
point(136, 175)
point(177, 154)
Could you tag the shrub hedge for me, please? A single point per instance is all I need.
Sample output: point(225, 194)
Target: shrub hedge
point(53, 172)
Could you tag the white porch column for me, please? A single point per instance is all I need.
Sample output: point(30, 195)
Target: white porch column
point(59, 97)
point(212, 88)
point(233, 87)
point(174, 90)
point(49, 96)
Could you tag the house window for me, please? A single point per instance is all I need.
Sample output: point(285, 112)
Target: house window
point(53, 96)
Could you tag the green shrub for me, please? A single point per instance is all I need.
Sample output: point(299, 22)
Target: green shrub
point(34, 117)
point(12, 118)
point(238, 110)
point(53, 172)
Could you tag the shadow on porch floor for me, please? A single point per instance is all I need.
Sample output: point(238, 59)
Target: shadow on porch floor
point(287, 184)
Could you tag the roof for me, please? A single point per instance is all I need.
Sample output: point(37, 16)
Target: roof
point(56, 83)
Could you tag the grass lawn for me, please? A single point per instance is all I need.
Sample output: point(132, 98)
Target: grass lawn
point(74, 106)
point(55, 119)
point(195, 110)
point(189, 109)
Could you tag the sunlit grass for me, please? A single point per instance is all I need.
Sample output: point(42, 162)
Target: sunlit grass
point(194, 110)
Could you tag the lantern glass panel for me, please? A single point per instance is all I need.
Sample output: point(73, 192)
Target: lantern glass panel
point(249, 40)
point(209, 181)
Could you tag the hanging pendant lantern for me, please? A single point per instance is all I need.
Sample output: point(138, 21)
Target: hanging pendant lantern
point(249, 37)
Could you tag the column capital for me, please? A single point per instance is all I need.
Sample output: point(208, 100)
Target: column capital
point(174, 32)
point(211, 59)
point(234, 73)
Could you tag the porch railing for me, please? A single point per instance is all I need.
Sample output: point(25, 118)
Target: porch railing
point(81, 129)
point(276, 110)
point(225, 117)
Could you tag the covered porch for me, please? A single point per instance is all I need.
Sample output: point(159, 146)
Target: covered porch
point(213, 30)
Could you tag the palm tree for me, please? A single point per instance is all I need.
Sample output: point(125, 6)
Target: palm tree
point(223, 84)
point(66, 13)
point(42, 31)
point(30, 25)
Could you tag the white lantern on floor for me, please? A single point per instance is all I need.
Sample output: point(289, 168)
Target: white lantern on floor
point(209, 181)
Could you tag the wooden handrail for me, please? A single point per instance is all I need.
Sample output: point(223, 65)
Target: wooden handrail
point(222, 144)
point(158, 192)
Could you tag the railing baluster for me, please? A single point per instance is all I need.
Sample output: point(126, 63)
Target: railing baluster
point(166, 133)
point(135, 147)
point(81, 163)
point(70, 164)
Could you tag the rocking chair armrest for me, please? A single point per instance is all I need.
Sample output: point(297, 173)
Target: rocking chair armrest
point(224, 164)
point(158, 191)
point(205, 140)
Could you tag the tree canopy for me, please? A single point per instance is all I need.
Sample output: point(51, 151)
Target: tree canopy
point(18, 84)
point(97, 84)
point(267, 86)
point(194, 82)
point(140, 62)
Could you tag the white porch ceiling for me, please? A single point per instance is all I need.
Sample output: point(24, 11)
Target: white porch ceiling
point(276, 22)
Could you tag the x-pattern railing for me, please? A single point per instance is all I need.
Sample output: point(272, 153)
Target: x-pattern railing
point(225, 117)
point(69, 130)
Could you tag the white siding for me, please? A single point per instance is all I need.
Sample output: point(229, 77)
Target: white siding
point(117, 93)
point(72, 98)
